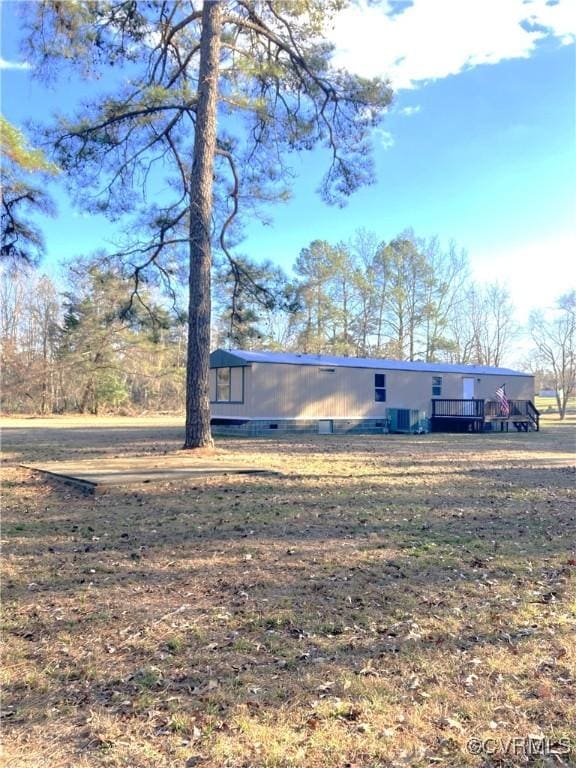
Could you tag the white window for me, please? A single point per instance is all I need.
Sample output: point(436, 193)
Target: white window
point(223, 389)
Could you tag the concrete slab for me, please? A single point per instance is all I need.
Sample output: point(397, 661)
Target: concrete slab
point(102, 474)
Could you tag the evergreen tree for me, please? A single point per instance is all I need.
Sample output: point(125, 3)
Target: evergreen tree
point(21, 240)
point(219, 96)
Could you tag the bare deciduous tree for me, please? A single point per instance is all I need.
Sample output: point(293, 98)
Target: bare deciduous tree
point(554, 336)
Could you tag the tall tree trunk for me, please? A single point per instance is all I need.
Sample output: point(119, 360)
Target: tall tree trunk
point(87, 391)
point(198, 433)
point(44, 387)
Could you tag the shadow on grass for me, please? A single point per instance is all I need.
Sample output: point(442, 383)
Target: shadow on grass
point(197, 595)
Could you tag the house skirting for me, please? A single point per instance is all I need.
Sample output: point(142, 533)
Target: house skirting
point(271, 427)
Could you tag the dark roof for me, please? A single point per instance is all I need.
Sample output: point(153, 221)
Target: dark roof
point(241, 357)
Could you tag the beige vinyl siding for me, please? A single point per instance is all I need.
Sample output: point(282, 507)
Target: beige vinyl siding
point(485, 386)
point(308, 392)
point(280, 390)
point(413, 389)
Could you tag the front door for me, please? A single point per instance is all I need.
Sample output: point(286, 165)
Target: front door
point(468, 394)
point(467, 389)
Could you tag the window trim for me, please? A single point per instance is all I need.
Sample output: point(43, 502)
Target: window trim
point(229, 401)
point(227, 385)
point(437, 384)
point(380, 387)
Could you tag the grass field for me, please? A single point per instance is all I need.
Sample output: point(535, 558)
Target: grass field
point(383, 602)
point(548, 405)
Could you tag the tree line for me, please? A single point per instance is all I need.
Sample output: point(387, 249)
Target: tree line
point(96, 345)
point(90, 348)
point(408, 299)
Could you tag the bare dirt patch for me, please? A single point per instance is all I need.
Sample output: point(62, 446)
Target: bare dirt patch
point(383, 602)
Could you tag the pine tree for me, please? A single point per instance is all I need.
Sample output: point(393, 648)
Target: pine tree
point(220, 97)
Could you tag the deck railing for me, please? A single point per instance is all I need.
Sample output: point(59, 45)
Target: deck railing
point(516, 408)
point(452, 409)
point(533, 414)
point(524, 409)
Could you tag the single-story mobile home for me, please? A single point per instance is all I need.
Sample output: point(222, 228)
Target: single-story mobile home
point(257, 392)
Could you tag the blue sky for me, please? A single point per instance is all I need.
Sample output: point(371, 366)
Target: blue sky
point(479, 146)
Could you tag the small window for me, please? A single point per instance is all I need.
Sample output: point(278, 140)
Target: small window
point(223, 385)
point(436, 386)
point(327, 370)
point(380, 387)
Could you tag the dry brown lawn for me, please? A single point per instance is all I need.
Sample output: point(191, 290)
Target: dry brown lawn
point(381, 603)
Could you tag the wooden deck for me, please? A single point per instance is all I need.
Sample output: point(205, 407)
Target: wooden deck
point(100, 475)
point(451, 415)
point(503, 423)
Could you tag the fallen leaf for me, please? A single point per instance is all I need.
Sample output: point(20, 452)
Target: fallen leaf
point(451, 722)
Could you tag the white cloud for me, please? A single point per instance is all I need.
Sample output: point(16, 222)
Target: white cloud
point(409, 111)
point(431, 40)
point(385, 138)
point(5, 65)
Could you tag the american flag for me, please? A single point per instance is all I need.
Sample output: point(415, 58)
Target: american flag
point(503, 401)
